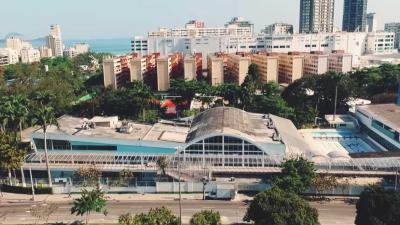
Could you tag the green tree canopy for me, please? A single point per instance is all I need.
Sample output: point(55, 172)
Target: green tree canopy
point(377, 206)
point(278, 207)
point(206, 217)
point(297, 175)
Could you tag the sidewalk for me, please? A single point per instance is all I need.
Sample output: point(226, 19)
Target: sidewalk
point(23, 198)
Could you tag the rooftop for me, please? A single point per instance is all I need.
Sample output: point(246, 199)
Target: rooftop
point(388, 114)
point(231, 121)
point(111, 127)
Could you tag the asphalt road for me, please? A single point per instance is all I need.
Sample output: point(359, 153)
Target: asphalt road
point(335, 213)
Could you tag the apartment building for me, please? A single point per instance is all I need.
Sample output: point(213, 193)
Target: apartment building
point(268, 66)
point(316, 16)
point(116, 71)
point(291, 66)
point(17, 43)
point(45, 52)
point(30, 55)
point(168, 67)
point(380, 43)
point(54, 40)
point(340, 62)
point(278, 29)
point(215, 65)
point(8, 56)
point(315, 63)
point(142, 67)
point(192, 66)
point(236, 68)
point(81, 48)
point(70, 52)
point(394, 28)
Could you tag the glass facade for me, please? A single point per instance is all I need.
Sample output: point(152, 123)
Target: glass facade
point(223, 145)
point(354, 15)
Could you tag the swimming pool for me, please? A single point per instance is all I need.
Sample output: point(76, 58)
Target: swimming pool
point(333, 134)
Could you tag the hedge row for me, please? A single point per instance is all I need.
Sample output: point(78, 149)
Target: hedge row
point(26, 190)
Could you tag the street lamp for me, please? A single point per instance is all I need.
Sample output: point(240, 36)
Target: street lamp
point(205, 180)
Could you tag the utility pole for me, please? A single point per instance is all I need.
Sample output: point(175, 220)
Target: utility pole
point(179, 177)
point(33, 189)
point(334, 110)
point(395, 180)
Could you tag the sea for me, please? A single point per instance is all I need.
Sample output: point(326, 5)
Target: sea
point(116, 46)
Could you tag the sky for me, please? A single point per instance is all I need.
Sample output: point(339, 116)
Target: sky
point(102, 19)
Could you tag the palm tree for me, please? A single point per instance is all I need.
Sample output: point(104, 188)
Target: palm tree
point(90, 201)
point(45, 116)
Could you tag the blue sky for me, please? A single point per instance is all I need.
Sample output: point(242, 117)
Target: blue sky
point(86, 19)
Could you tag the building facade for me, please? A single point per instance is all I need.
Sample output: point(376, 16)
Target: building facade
point(291, 67)
point(316, 16)
point(8, 56)
point(215, 70)
point(30, 55)
point(192, 66)
point(237, 67)
point(354, 15)
point(268, 66)
point(278, 29)
point(315, 63)
point(54, 41)
point(395, 28)
point(116, 71)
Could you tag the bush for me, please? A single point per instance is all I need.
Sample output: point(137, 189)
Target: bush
point(206, 217)
point(26, 190)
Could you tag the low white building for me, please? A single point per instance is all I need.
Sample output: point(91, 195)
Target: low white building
point(70, 52)
point(81, 48)
point(8, 56)
point(356, 44)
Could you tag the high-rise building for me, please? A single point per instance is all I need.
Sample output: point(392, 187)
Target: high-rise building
point(116, 71)
point(315, 63)
point(45, 52)
point(54, 40)
point(355, 15)
point(395, 28)
point(192, 66)
point(237, 67)
point(8, 56)
point(316, 16)
point(372, 22)
point(215, 70)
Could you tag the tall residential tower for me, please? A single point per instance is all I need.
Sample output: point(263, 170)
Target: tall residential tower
point(355, 15)
point(54, 40)
point(316, 16)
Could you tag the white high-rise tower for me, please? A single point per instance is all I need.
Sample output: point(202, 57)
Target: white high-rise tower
point(54, 40)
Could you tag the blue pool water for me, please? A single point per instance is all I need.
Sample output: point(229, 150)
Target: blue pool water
point(333, 134)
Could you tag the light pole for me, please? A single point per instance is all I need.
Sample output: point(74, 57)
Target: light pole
point(205, 181)
point(179, 186)
point(33, 189)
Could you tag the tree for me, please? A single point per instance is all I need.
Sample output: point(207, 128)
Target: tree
point(325, 182)
point(11, 156)
point(254, 74)
point(90, 201)
point(89, 176)
point(278, 207)
point(247, 93)
point(377, 206)
point(230, 92)
point(43, 212)
point(159, 216)
point(297, 175)
point(45, 116)
point(162, 163)
point(206, 217)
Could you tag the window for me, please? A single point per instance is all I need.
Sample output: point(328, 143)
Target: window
point(95, 147)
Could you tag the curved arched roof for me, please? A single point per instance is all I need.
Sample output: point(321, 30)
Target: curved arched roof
point(230, 121)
